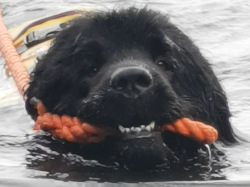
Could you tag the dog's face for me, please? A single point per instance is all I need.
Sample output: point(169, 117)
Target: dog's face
point(128, 86)
point(131, 72)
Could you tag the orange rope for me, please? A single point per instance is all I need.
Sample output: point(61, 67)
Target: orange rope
point(71, 129)
point(12, 58)
point(68, 128)
point(194, 129)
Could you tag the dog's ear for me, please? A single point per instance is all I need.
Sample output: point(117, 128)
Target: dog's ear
point(195, 80)
point(58, 78)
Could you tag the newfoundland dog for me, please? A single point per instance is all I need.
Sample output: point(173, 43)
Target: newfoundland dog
point(131, 70)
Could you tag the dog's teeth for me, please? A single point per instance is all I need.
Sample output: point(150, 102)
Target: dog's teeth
point(148, 128)
point(138, 129)
point(127, 130)
point(121, 128)
point(152, 125)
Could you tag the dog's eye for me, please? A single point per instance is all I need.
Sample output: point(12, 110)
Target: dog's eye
point(93, 71)
point(167, 65)
point(160, 63)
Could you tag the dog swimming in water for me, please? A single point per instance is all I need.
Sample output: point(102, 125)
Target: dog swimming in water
point(131, 71)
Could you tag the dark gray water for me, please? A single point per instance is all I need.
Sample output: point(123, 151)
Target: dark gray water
point(222, 31)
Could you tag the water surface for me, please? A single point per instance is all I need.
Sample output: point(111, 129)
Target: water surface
point(222, 31)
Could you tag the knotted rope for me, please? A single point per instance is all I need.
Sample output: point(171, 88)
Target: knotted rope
point(194, 129)
point(71, 129)
point(68, 128)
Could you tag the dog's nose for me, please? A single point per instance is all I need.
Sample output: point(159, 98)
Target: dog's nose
point(131, 80)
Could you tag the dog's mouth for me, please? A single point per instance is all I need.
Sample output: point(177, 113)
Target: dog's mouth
point(143, 146)
point(143, 129)
point(155, 145)
point(136, 145)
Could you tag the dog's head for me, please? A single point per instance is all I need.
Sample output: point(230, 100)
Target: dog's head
point(130, 71)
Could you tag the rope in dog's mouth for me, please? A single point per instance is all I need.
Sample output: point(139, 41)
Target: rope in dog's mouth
point(71, 128)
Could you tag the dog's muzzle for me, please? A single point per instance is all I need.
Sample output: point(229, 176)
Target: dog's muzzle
point(144, 150)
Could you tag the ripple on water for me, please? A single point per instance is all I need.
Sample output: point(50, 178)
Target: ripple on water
point(219, 28)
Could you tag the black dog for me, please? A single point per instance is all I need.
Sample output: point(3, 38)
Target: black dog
point(128, 68)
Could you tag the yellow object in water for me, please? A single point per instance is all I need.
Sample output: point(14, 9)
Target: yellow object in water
point(34, 38)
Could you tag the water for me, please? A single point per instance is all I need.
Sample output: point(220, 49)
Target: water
point(222, 31)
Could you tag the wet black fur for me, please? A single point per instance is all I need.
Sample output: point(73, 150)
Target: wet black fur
point(74, 77)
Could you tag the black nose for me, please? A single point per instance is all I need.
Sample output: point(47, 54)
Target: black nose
point(131, 80)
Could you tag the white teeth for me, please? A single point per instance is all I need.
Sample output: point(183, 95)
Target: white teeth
point(121, 128)
point(152, 125)
point(148, 128)
point(127, 130)
point(138, 129)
